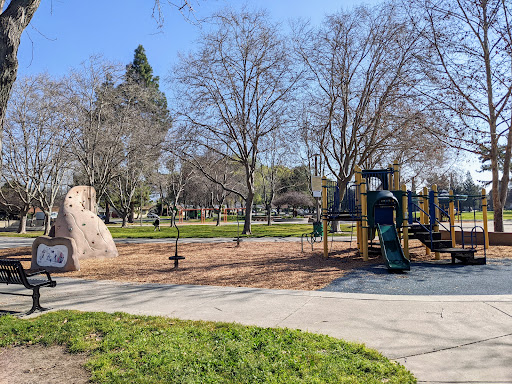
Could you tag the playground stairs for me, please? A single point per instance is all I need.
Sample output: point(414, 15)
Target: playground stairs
point(436, 244)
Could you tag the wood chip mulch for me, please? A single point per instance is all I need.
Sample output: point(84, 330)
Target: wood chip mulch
point(253, 264)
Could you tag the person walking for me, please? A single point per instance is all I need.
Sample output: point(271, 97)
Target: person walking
point(156, 224)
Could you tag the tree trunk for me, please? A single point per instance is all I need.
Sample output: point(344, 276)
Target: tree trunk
point(47, 223)
point(498, 219)
point(13, 21)
point(497, 204)
point(497, 207)
point(269, 214)
point(131, 214)
point(124, 221)
point(249, 199)
point(107, 212)
point(248, 213)
point(22, 227)
point(161, 210)
point(218, 217)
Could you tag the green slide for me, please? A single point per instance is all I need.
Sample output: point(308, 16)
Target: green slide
point(391, 248)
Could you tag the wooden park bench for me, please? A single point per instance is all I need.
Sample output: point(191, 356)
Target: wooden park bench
point(12, 272)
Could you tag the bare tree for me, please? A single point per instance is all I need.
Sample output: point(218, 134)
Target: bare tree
point(361, 67)
point(185, 7)
point(53, 155)
point(34, 163)
point(121, 189)
point(97, 130)
point(469, 68)
point(416, 148)
point(174, 182)
point(295, 199)
point(219, 175)
point(275, 151)
point(234, 90)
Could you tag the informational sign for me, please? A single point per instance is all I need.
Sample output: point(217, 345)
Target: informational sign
point(52, 256)
point(316, 186)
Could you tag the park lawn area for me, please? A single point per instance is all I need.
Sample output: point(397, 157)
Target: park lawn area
point(30, 234)
point(202, 231)
point(209, 231)
point(507, 215)
point(122, 348)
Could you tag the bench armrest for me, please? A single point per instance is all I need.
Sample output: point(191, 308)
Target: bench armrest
point(38, 272)
point(43, 272)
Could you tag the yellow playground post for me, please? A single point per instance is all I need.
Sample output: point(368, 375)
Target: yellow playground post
point(396, 176)
point(452, 219)
point(390, 177)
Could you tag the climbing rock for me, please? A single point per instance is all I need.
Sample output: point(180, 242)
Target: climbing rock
point(77, 220)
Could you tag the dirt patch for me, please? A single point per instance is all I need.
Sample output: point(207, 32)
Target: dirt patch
point(260, 265)
point(42, 365)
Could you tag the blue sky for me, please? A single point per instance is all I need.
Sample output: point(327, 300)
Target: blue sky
point(64, 33)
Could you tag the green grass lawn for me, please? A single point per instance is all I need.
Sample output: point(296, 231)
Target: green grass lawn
point(208, 231)
point(202, 231)
point(124, 348)
point(33, 234)
point(507, 215)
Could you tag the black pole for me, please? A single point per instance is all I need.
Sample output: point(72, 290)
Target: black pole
point(176, 258)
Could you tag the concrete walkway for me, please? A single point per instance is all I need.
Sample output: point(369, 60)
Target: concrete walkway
point(441, 339)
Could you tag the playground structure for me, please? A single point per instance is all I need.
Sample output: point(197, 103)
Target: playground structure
point(381, 206)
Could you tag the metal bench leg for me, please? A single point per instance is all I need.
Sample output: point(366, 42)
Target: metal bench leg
point(35, 302)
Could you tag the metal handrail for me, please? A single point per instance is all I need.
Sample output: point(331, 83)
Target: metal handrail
point(473, 234)
point(461, 233)
point(439, 221)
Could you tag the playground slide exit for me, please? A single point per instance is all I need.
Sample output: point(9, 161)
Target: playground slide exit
point(391, 248)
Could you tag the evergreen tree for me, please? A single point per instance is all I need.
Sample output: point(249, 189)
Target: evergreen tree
point(140, 72)
point(472, 190)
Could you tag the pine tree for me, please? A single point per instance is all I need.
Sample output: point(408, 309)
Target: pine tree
point(472, 190)
point(141, 72)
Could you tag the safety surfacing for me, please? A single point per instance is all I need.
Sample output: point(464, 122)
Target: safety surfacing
point(430, 278)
